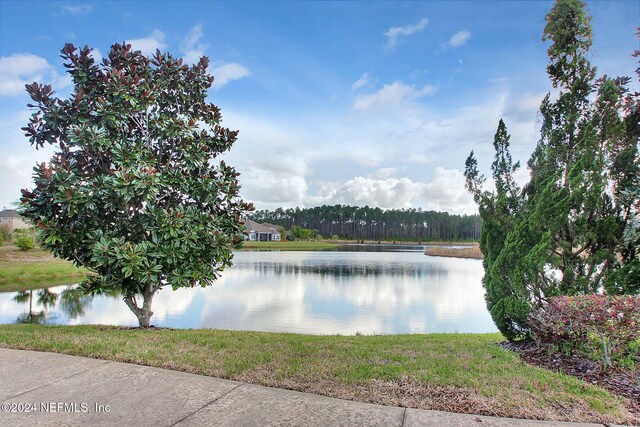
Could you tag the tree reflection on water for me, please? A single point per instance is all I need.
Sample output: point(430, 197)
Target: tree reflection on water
point(72, 301)
point(44, 297)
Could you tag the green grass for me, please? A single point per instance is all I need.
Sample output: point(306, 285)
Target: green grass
point(34, 269)
point(289, 246)
point(460, 373)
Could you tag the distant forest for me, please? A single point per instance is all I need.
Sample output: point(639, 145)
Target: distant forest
point(365, 223)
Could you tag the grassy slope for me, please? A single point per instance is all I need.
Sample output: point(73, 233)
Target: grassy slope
point(462, 373)
point(21, 270)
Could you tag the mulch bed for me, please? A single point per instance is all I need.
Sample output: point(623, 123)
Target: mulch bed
point(622, 382)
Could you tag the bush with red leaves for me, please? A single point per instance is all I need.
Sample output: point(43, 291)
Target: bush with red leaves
point(597, 326)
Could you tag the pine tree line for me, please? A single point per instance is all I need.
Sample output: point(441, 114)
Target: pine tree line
point(367, 223)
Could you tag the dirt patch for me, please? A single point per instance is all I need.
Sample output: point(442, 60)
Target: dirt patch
point(623, 382)
point(13, 254)
point(411, 393)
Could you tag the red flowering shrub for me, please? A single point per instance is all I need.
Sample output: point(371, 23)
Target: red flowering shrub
point(599, 326)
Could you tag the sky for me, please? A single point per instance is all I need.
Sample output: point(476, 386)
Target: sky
point(360, 103)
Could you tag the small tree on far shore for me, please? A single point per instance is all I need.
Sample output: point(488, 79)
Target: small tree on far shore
point(133, 192)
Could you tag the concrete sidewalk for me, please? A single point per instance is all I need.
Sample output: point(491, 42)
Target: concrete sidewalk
point(49, 389)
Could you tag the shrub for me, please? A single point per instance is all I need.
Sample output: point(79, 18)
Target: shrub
point(598, 326)
point(24, 243)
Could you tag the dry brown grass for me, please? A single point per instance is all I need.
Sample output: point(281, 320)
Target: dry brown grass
point(10, 253)
point(468, 252)
point(412, 393)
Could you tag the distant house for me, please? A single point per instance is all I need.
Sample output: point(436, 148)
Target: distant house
point(261, 232)
point(12, 218)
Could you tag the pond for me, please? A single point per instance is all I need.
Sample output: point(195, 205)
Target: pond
point(353, 290)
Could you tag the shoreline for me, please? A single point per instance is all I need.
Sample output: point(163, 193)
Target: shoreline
point(400, 242)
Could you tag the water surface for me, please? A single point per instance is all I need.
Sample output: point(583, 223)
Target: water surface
point(390, 291)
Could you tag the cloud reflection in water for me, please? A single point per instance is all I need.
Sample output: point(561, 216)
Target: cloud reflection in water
point(310, 292)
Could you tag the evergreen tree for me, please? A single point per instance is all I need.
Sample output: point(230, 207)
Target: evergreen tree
point(570, 230)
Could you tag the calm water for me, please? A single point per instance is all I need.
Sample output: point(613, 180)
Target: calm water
point(399, 290)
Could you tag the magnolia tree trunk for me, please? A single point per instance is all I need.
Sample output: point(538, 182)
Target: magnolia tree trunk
point(143, 313)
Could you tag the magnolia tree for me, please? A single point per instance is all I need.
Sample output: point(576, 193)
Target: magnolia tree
point(133, 191)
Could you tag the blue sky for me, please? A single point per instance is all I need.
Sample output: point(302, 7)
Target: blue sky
point(365, 103)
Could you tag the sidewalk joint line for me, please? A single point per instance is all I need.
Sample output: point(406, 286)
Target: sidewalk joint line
point(404, 414)
point(207, 404)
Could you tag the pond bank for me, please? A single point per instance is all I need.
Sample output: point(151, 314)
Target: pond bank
point(34, 269)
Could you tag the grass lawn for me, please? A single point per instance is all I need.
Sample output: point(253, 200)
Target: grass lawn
point(451, 372)
point(22, 270)
point(289, 246)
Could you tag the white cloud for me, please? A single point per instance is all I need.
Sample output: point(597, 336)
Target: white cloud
point(24, 68)
point(226, 73)
point(76, 9)
point(419, 158)
point(394, 33)
point(526, 104)
point(271, 158)
point(17, 157)
point(16, 171)
point(446, 192)
point(384, 173)
point(192, 57)
point(364, 80)
point(388, 157)
point(275, 179)
point(273, 188)
point(194, 49)
point(392, 95)
point(361, 191)
point(148, 45)
point(459, 38)
point(97, 55)
point(191, 46)
point(191, 41)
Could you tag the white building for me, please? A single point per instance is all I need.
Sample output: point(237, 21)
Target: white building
point(261, 232)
